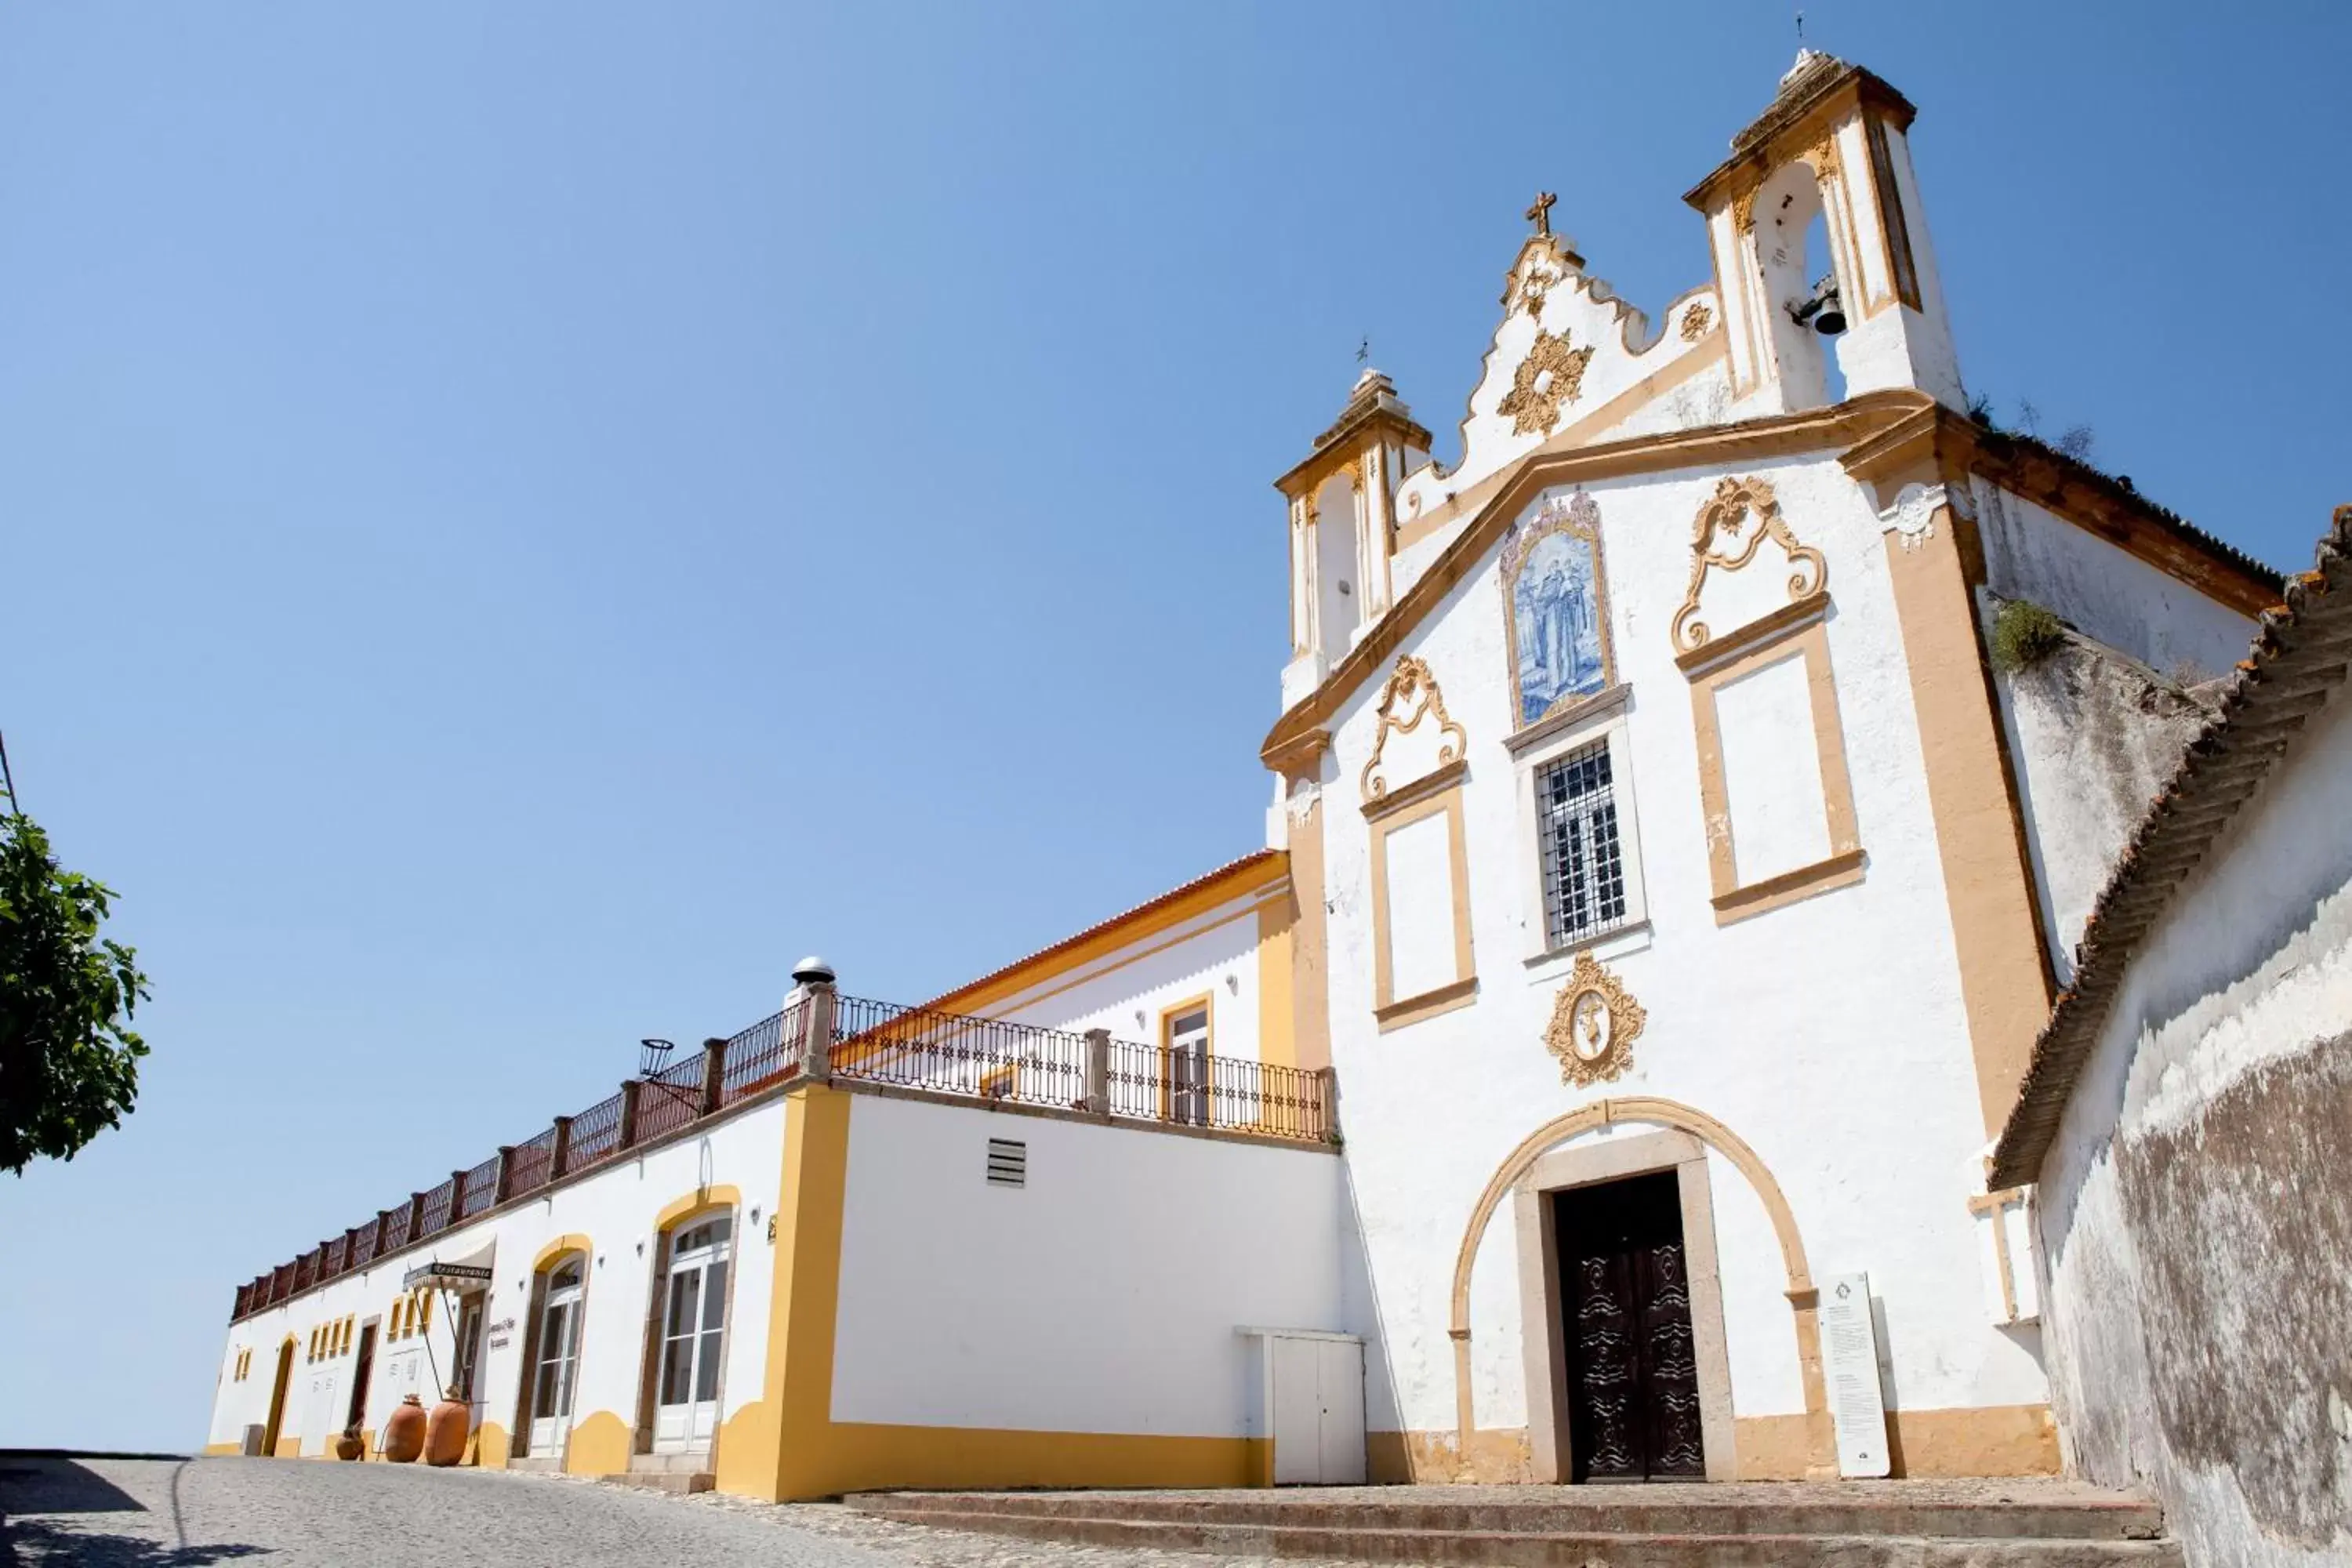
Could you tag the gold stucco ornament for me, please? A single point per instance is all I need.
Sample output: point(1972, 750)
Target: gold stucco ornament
point(1593, 1026)
point(1551, 375)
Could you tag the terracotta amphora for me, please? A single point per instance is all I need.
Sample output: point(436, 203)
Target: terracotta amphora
point(349, 1444)
point(404, 1435)
point(445, 1432)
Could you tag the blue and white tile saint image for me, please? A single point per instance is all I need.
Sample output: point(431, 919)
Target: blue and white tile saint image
point(1558, 636)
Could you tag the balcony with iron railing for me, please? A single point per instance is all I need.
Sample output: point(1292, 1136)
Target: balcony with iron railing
point(913, 1050)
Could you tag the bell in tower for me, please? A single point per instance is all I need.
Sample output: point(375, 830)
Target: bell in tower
point(1821, 247)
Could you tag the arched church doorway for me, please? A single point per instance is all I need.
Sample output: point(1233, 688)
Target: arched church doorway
point(1535, 1175)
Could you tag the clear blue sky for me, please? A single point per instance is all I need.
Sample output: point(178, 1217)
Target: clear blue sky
point(520, 520)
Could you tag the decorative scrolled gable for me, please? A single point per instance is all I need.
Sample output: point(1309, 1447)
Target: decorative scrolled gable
point(1746, 565)
point(1570, 361)
point(1411, 698)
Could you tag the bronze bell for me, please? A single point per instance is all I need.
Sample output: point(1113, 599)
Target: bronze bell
point(1828, 313)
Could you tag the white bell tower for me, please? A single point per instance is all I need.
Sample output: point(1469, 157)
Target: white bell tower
point(1343, 528)
point(1830, 148)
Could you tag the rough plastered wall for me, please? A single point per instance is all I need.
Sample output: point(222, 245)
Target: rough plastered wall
point(2093, 736)
point(2103, 591)
point(737, 1161)
point(1213, 956)
point(2196, 1216)
point(1829, 1033)
point(1102, 1296)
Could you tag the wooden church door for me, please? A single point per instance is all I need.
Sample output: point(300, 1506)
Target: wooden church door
point(1632, 1375)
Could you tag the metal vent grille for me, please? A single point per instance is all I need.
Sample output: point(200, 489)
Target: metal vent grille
point(1008, 1163)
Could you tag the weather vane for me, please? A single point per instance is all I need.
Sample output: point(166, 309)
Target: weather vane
point(1364, 351)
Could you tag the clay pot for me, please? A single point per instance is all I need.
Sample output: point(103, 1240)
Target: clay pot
point(349, 1444)
point(445, 1431)
point(404, 1435)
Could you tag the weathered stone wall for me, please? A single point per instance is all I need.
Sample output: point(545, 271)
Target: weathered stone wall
point(2093, 734)
point(2196, 1207)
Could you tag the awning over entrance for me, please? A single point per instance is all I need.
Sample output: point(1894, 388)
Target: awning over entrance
point(468, 1272)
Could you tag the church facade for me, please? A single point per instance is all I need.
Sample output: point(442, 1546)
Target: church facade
point(1667, 875)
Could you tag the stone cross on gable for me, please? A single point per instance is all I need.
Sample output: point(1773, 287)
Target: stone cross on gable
point(1540, 215)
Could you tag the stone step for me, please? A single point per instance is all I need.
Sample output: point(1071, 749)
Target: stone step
point(677, 1481)
point(1651, 1510)
point(1537, 1549)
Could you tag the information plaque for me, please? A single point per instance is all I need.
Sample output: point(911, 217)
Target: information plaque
point(1849, 1365)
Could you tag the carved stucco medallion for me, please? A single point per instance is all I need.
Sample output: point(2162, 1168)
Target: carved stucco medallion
point(1725, 536)
point(1593, 1026)
point(1695, 321)
point(1551, 375)
point(1410, 696)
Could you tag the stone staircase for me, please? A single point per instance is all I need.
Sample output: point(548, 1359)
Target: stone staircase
point(1884, 1524)
point(679, 1473)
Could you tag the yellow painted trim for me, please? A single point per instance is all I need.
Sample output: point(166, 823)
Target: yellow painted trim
point(1206, 1002)
point(1139, 954)
point(571, 1242)
point(786, 1446)
point(1986, 1440)
point(858, 1456)
point(216, 1449)
point(1310, 986)
point(600, 1445)
point(492, 1446)
point(1806, 639)
point(1277, 1045)
point(806, 1290)
point(1387, 1006)
point(1701, 356)
point(712, 1197)
point(1499, 1456)
point(1254, 875)
point(1413, 1010)
point(289, 1448)
point(2005, 985)
point(1842, 425)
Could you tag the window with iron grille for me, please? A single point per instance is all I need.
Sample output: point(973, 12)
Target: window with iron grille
point(1576, 835)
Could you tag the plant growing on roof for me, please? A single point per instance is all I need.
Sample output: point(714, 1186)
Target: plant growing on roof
point(68, 1058)
point(2023, 635)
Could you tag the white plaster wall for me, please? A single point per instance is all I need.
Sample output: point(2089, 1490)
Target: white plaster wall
point(1829, 1033)
point(1421, 907)
point(2250, 968)
point(1214, 954)
point(1100, 1297)
point(616, 1209)
point(2103, 591)
point(1773, 783)
point(2092, 737)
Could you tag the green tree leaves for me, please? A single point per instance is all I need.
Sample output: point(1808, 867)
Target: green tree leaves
point(68, 1060)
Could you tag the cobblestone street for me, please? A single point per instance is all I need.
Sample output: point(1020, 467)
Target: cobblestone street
point(167, 1513)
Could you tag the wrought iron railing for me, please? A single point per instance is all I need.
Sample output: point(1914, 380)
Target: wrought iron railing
point(950, 1053)
point(1022, 1063)
point(877, 1042)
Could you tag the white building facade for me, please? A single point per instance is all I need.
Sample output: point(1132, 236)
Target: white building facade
point(1665, 883)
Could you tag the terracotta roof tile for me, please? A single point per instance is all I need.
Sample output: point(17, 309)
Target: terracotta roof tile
point(2299, 658)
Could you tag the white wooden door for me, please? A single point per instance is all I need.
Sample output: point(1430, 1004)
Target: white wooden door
point(1340, 1386)
point(559, 1360)
point(694, 1328)
point(1297, 1412)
